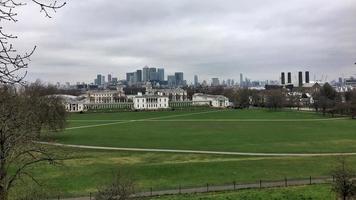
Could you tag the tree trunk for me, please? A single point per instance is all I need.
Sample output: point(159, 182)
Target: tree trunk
point(3, 194)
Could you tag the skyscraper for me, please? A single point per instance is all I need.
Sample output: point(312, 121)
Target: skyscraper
point(196, 81)
point(153, 74)
point(241, 80)
point(98, 79)
point(138, 76)
point(171, 80)
point(102, 80)
point(109, 78)
point(215, 82)
point(145, 74)
point(130, 77)
point(179, 78)
point(160, 72)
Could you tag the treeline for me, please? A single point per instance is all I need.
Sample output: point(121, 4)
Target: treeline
point(324, 99)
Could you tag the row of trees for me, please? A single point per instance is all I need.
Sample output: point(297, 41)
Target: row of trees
point(326, 99)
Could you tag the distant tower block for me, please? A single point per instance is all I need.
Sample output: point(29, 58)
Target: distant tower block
point(289, 78)
point(283, 78)
point(307, 77)
point(300, 79)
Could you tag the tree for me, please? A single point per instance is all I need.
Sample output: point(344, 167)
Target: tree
point(121, 188)
point(12, 64)
point(243, 98)
point(326, 98)
point(344, 185)
point(353, 104)
point(25, 114)
point(275, 99)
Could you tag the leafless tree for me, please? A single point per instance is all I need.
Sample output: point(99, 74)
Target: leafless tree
point(25, 114)
point(13, 66)
point(344, 185)
point(121, 188)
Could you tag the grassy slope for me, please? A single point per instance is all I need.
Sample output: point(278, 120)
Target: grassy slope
point(302, 137)
point(315, 192)
point(79, 176)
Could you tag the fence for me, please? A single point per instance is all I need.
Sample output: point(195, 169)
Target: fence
point(226, 187)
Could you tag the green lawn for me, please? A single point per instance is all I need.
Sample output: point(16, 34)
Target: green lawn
point(170, 130)
point(315, 192)
point(89, 169)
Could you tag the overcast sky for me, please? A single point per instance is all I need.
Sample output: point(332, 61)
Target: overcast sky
point(210, 38)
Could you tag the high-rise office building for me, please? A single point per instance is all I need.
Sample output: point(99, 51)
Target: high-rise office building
point(98, 79)
point(196, 81)
point(130, 77)
point(171, 79)
point(153, 74)
point(138, 76)
point(215, 82)
point(145, 74)
point(160, 72)
point(102, 80)
point(109, 78)
point(241, 80)
point(179, 78)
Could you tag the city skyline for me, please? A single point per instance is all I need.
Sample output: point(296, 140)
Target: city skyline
point(207, 38)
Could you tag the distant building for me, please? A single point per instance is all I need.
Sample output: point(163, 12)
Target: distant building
point(109, 78)
point(196, 81)
point(300, 79)
point(215, 82)
point(150, 102)
point(153, 76)
point(160, 72)
point(103, 96)
point(241, 80)
point(145, 74)
point(217, 101)
point(98, 79)
point(73, 103)
point(179, 78)
point(138, 76)
point(171, 79)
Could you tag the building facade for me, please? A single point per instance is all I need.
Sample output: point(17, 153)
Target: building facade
point(216, 101)
point(150, 102)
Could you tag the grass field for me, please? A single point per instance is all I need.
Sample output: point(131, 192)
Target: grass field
point(315, 192)
point(231, 130)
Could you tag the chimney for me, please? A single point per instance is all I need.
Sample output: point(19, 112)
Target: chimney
point(289, 78)
point(300, 79)
point(283, 79)
point(307, 77)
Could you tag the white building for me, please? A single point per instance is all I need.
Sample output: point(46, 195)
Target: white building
point(150, 102)
point(217, 101)
point(73, 103)
point(104, 96)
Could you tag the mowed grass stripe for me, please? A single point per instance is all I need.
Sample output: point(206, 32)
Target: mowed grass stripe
point(138, 120)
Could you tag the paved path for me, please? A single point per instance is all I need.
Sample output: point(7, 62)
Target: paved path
point(230, 187)
point(197, 151)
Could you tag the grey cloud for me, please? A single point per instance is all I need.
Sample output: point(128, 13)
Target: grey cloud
point(212, 38)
